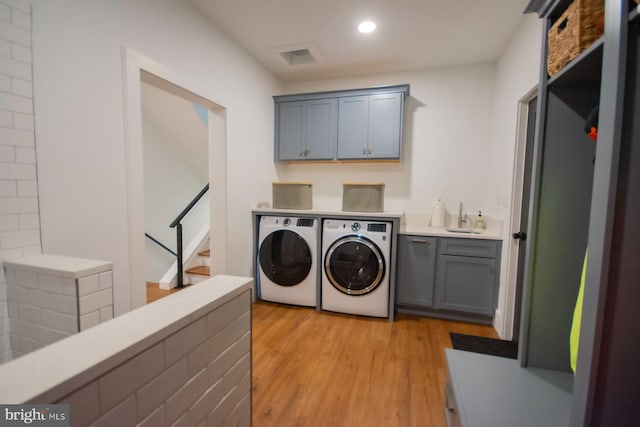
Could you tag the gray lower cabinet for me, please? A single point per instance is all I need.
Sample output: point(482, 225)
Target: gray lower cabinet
point(306, 130)
point(416, 263)
point(370, 127)
point(450, 277)
point(466, 284)
point(466, 278)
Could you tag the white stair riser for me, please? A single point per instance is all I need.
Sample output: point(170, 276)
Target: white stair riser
point(204, 260)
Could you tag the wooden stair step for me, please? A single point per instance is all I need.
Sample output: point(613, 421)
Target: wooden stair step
point(155, 293)
point(200, 270)
point(205, 253)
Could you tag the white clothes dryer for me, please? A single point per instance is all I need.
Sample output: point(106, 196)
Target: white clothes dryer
point(287, 254)
point(355, 261)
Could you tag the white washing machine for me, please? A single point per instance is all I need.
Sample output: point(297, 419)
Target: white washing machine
point(355, 261)
point(287, 254)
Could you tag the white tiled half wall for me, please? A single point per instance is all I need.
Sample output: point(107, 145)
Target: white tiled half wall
point(198, 376)
point(44, 307)
point(19, 220)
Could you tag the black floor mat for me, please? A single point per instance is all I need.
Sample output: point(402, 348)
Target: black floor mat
point(492, 346)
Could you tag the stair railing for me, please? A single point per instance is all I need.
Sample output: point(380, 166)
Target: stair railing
point(177, 224)
point(159, 243)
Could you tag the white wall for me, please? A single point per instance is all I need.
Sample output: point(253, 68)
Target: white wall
point(447, 137)
point(460, 138)
point(78, 99)
point(19, 222)
point(517, 73)
point(169, 185)
point(459, 130)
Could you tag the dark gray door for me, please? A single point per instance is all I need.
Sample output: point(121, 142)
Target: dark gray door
point(521, 235)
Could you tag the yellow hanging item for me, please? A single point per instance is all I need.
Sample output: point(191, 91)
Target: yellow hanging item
point(574, 338)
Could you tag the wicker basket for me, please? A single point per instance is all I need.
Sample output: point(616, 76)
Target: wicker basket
point(292, 195)
point(578, 27)
point(363, 197)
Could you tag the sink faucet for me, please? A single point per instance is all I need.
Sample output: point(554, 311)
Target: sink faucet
point(461, 219)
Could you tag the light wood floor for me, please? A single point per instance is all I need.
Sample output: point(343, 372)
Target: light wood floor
point(323, 369)
point(154, 292)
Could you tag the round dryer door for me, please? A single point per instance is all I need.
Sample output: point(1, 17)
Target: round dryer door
point(354, 265)
point(285, 258)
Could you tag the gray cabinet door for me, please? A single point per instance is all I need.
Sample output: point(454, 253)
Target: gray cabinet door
point(321, 117)
point(370, 127)
point(307, 129)
point(353, 127)
point(290, 128)
point(385, 126)
point(416, 262)
point(466, 284)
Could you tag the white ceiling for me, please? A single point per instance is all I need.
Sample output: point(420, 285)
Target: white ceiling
point(411, 34)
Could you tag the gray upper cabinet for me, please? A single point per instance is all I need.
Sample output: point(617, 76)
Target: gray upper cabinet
point(370, 127)
point(415, 265)
point(306, 130)
point(358, 124)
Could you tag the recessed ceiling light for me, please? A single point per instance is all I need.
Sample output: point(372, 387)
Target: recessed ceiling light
point(367, 27)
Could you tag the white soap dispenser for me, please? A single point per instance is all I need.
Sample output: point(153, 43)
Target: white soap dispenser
point(480, 222)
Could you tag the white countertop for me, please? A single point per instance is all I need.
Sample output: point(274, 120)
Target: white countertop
point(326, 214)
point(411, 223)
point(53, 371)
point(418, 224)
point(59, 265)
point(425, 230)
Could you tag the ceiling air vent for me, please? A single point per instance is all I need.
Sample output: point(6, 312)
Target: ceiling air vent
point(298, 57)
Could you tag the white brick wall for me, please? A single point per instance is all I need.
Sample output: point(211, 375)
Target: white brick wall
point(200, 375)
point(19, 215)
point(44, 308)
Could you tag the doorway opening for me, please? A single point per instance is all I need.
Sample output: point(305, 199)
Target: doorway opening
point(176, 168)
point(140, 75)
point(519, 218)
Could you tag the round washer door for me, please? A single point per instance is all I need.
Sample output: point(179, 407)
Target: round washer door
point(354, 265)
point(285, 258)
